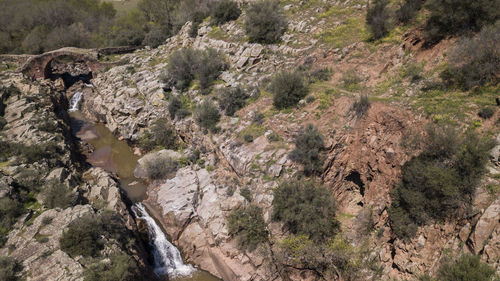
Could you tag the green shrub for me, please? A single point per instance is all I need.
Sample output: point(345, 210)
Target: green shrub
point(9, 269)
point(156, 36)
point(440, 182)
point(10, 210)
point(186, 64)
point(305, 208)
point(160, 167)
point(248, 225)
point(407, 10)
point(246, 193)
point(308, 146)
point(162, 134)
point(207, 115)
point(210, 65)
point(288, 89)
point(377, 18)
point(361, 105)
point(120, 268)
point(265, 22)
point(224, 11)
point(3, 122)
point(486, 112)
point(82, 237)
point(232, 99)
point(474, 61)
point(248, 138)
point(56, 194)
point(181, 68)
point(467, 267)
point(448, 17)
point(128, 29)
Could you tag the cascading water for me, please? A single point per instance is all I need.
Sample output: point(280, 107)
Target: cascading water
point(75, 101)
point(167, 258)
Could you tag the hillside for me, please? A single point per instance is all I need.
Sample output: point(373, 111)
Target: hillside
point(357, 143)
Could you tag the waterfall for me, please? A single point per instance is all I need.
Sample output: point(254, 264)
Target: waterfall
point(167, 258)
point(75, 101)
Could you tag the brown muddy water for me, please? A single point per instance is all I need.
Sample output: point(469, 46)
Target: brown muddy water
point(116, 156)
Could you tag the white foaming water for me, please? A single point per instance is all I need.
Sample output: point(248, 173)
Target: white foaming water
point(167, 258)
point(75, 101)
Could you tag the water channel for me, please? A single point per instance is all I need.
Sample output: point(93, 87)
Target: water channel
point(117, 157)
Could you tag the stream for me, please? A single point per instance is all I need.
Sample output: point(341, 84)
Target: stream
point(116, 156)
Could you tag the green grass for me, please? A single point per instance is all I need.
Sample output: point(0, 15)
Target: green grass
point(352, 30)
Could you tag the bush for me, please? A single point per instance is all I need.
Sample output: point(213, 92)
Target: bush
point(210, 65)
point(232, 99)
point(351, 80)
point(407, 10)
point(224, 11)
point(448, 17)
point(9, 269)
point(361, 105)
point(10, 210)
point(486, 112)
point(186, 64)
point(82, 237)
point(305, 208)
point(377, 18)
point(308, 146)
point(162, 134)
point(265, 22)
point(440, 182)
point(207, 115)
point(288, 89)
point(57, 195)
point(156, 36)
point(248, 225)
point(467, 267)
point(3, 122)
point(474, 61)
point(177, 109)
point(246, 193)
point(160, 167)
point(181, 67)
point(120, 268)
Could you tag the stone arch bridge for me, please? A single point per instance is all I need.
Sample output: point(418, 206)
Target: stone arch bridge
point(38, 66)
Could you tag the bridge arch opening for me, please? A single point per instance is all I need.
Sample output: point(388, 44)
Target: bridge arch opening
point(70, 69)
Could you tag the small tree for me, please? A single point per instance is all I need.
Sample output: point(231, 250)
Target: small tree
point(56, 194)
point(232, 99)
point(308, 146)
point(83, 237)
point(207, 115)
point(265, 22)
point(224, 11)
point(288, 89)
point(305, 208)
point(9, 268)
point(467, 267)
point(448, 17)
point(248, 225)
point(210, 65)
point(377, 18)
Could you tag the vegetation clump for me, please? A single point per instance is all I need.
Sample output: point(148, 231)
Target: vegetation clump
point(120, 267)
point(486, 112)
point(377, 18)
point(466, 267)
point(187, 64)
point(161, 135)
point(449, 17)
point(225, 11)
point(474, 61)
point(247, 223)
point(232, 99)
point(305, 208)
point(9, 269)
point(160, 167)
point(265, 22)
point(57, 195)
point(440, 182)
point(361, 105)
point(177, 109)
point(308, 146)
point(288, 88)
point(207, 115)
